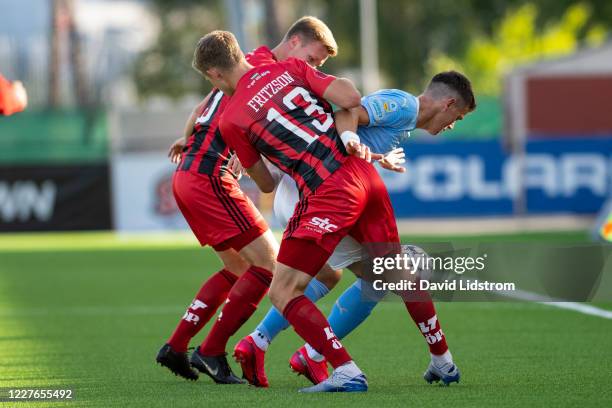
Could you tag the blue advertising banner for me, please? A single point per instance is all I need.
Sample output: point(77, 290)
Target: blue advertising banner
point(479, 178)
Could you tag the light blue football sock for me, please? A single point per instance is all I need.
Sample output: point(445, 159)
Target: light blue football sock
point(353, 307)
point(274, 322)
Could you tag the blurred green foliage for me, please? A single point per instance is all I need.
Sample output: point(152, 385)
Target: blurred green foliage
point(518, 40)
point(485, 38)
point(165, 68)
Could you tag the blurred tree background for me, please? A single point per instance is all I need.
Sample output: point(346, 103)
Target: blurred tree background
point(483, 38)
point(165, 68)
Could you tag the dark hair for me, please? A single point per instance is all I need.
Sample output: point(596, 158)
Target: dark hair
point(458, 83)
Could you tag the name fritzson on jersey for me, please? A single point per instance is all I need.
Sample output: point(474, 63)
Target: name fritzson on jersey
point(283, 118)
point(269, 90)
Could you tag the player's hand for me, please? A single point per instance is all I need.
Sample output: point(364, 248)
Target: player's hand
point(393, 159)
point(354, 148)
point(235, 167)
point(176, 150)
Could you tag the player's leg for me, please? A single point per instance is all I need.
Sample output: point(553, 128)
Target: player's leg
point(241, 303)
point(250, 351)
point(383, 239)
point(222, 216)
point(351, 309)
point(285, 200)
point(311, 325)
point(347, 313)
point(441, 368)
point(274, 322)
point(195, 197)
point(287, 294)
point(207, 300)
point(316, 228)
point(355, 305)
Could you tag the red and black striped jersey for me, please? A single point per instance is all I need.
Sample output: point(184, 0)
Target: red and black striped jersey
point(205, 151)
point(278, 110)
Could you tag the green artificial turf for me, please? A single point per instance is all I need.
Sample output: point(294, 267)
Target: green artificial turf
point(93, 320)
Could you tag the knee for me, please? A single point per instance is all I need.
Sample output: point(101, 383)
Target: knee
point(283, 289)
point(278, 296)
point(329, 277)
point(262, 253)
point(265, 261)
point(236, 266)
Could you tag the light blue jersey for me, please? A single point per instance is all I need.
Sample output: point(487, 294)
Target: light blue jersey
point(393, 114)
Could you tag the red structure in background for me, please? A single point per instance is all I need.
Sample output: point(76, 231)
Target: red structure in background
point(569, 106)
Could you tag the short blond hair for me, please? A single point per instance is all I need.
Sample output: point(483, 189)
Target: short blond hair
point(312, 29)
point(217, 49)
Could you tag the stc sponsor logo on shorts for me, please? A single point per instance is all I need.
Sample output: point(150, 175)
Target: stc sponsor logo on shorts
point(322, 225)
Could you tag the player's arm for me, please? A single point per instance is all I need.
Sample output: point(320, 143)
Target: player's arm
point(251, 160)
point(176, 148)
point(276, 173)
point(350, 119)
point(339, 91)
point(393, 120)
point(346, 121)
point(261, 175)
point(342, 93)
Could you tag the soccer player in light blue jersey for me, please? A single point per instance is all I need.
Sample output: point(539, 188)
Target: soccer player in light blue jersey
point(385, 119)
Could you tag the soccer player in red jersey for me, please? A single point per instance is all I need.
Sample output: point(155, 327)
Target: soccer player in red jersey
point(222, 216)
point(281, 111)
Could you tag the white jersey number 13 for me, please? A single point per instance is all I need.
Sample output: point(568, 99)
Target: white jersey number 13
point(273, 114)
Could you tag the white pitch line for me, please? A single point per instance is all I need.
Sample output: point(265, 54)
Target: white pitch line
point(581, 308)
point(548, 301)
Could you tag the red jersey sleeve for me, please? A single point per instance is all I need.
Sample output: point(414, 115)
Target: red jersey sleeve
point(238, 140)
point(316, 80)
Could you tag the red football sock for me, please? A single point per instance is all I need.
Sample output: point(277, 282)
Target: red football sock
point(212, 293)
point(423, 313)
point(242, 302)
point(311, 325)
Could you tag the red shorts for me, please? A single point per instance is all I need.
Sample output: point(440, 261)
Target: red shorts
point(217, 210)
point(354, 201)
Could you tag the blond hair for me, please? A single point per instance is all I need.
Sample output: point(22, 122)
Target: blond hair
point(312, 29)
point(217, 49)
